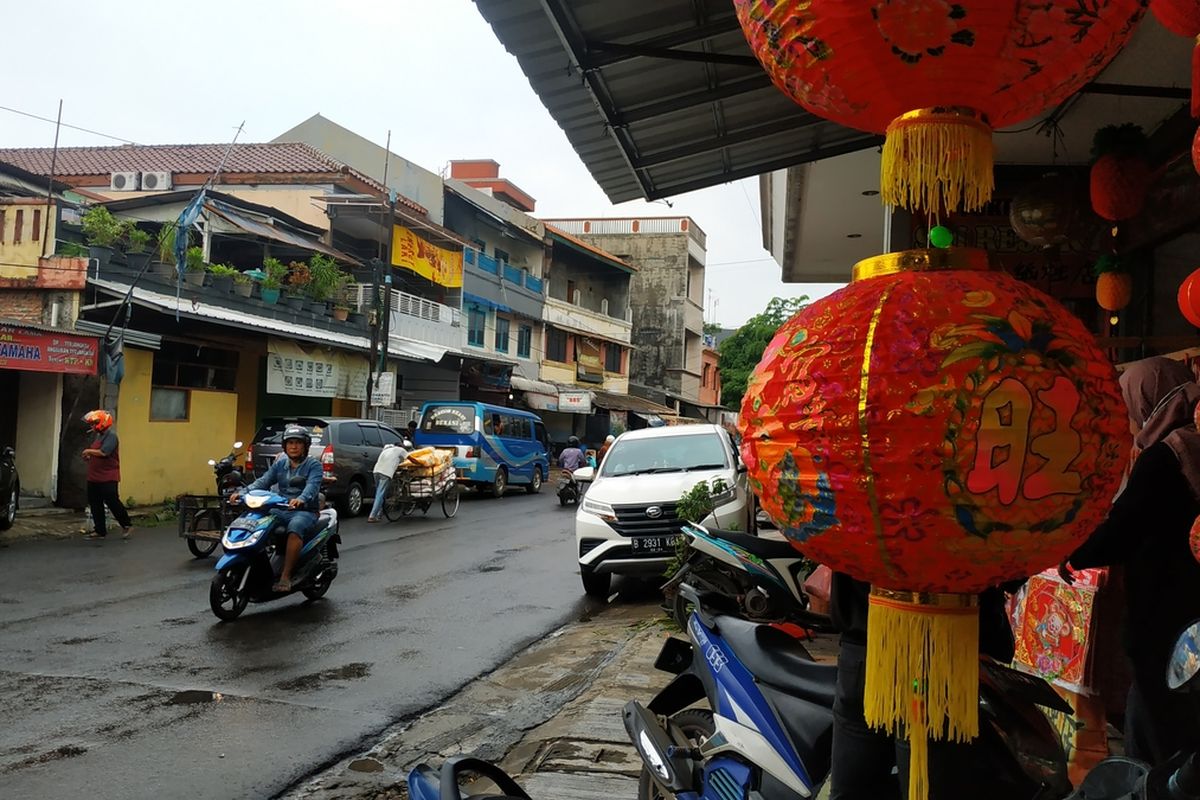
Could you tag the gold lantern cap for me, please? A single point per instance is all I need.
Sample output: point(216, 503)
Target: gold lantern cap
point(923, 260)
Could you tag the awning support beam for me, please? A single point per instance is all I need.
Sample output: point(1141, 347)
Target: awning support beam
point(777, 126)
point(667, 41)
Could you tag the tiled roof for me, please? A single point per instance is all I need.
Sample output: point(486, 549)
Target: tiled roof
point(591, 248)
point(262, 157)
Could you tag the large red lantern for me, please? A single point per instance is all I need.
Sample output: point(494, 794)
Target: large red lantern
point(1182, 17)
point(934, 428)
point(1189, 298)
point(1120, 177)
point(935, 75)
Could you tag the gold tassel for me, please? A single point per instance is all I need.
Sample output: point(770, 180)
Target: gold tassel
point(938, 160)
point(922, 672)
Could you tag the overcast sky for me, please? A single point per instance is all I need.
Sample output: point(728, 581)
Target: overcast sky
point(432, 72)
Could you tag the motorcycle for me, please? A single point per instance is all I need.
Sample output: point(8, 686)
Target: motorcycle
point(426, 783)
point(763, 574)
point(1121, 778)
point(254, 546)
point(768, 729)
point(568, 488)
point(210, 521)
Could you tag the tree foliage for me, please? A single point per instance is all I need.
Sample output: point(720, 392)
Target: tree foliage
point(742, 351)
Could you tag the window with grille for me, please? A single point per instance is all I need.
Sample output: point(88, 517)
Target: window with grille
point(476, 324)
point(612, 358)
point(525, 341)
point(502, 326)
point(556, 345)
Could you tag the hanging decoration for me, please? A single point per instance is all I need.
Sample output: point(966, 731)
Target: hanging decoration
point(1047, 212)
point(936, 76)
point(1189, 298)
point(934, 428)
point(1114, 286)
point(1196, 150)
point(1120, 175)
point(1182, 17)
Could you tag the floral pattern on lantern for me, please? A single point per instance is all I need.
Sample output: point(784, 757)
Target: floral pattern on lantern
point(935, 431)
point(935, 75)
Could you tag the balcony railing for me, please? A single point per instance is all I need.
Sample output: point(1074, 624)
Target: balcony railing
point(503, 270)
point(514, 275)
point(416, 317)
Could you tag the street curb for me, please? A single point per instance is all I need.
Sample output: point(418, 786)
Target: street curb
point(491, 717)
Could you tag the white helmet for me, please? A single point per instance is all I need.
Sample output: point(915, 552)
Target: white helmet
point(609, 439)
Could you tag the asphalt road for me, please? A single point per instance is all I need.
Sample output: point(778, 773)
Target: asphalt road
point(110, 656)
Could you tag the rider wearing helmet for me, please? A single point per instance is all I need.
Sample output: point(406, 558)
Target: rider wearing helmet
point(103, 475)
point(571, 458)
point(301, 516)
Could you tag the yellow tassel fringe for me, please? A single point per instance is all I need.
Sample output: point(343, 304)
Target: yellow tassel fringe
point(938, 160)
point(922, 672)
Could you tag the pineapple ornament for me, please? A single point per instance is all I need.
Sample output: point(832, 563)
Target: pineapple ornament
point(1114, 286)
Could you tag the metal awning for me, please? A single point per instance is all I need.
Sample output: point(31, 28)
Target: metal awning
point(528, 385)
point(660, 98)
point(628, 402)
point(267, 230)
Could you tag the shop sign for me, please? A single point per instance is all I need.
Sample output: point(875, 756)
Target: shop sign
point(302, 376)
point(575, 402)
point(35, 351)
point(384, 391)
point(436, 264)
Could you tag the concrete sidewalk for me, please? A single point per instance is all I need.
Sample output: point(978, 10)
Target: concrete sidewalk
point(551, 716)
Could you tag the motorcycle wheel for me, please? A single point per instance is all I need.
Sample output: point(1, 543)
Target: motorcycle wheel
point(223, 596)
point(697, 724)
point(208, 519)
point(317, 590)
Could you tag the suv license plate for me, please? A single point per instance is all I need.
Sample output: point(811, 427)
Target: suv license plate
point(645, 545)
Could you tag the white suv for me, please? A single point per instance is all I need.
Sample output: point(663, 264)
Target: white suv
point(626, 523)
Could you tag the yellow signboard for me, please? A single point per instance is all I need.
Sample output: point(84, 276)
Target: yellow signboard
point(411, 252)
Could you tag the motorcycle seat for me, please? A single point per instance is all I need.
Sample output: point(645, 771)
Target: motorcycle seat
point(779, 660)
point(765, 549)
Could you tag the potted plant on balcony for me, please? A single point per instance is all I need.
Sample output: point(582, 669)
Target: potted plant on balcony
point(324, 283)
point(194, 266)
point(136, 242)
point(274, 273)
point(101, 229)
point(243, 286)
point(298, 278)
point(223, 276)
point(164, 250)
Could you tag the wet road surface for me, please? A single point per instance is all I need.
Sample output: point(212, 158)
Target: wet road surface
point(118, 682)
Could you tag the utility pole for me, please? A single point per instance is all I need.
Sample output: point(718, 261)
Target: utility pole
point(377, 363)
point(50, 187)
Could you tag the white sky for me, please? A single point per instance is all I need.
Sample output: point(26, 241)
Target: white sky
point(432, 72)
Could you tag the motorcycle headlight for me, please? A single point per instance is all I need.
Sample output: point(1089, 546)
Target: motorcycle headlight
point(252, 501)
point(602, 510)
point(232, 540)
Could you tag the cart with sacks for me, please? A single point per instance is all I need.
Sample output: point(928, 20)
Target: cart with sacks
point(425, 477)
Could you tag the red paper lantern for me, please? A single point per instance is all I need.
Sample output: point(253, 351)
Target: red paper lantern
point(1118, 185)
point(937, 76)
point(1189, 298)
point(934, 427)
point(1182, 17)
point(1196, 150)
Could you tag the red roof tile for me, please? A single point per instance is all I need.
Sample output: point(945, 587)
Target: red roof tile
point(265, 157)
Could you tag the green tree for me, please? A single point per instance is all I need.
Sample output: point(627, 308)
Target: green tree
point(742, 351)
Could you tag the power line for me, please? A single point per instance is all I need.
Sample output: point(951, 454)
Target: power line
point(67, 125)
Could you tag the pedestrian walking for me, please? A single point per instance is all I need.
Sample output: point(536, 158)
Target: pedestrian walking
point(104, 476)
point(385, 470)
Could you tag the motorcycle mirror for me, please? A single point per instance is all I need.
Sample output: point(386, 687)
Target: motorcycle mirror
point(1185, 659)
point(237, 445)
point(212, 463)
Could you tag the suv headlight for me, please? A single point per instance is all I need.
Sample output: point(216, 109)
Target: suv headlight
point(602, 510)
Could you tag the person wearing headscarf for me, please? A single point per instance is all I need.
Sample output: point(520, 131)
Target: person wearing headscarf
point(1147, 532)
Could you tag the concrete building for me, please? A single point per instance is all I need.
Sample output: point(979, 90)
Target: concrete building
point(666, 299)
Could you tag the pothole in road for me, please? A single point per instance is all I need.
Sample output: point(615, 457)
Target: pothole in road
point(193, 696)
point(342, 673)
point(365, 765)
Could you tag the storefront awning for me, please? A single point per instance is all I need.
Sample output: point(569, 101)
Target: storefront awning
point(39, 348)
point(628, 402)
point(528, 385)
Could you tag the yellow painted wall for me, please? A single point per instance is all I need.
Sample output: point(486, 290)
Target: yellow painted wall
point(162, 459)
point(565, 374)
point(27, 252)
point(247, 394)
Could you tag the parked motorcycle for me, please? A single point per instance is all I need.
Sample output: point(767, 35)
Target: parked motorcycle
point(764, 575)
point(207, 521)
point(568, 488)
point(768, 729)
point(426, 783)
point(1122, 778)
point(254, 549)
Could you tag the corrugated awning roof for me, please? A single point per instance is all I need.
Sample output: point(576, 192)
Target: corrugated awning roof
point(267, 230)
point(660, 98)
point(627, 402)
point(559, 235)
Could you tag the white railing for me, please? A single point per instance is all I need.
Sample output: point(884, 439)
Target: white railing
point(567, 315)
point(582, 227)
point(415, 317)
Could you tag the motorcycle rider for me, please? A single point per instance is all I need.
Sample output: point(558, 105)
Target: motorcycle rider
point(571, 458)
point(301, 515)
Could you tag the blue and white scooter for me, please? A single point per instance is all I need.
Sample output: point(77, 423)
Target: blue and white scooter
point(254, 545)
point(426, 783)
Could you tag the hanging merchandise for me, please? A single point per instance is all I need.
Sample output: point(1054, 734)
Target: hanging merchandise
point(1046, 213)
point(1114, 286)
point(936, 76)
point(935, 428)
point(1182, 17)
point(1189, 298)
point(1120, 175)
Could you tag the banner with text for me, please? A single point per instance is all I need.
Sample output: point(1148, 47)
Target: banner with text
point(411, 252)
point(35, 351)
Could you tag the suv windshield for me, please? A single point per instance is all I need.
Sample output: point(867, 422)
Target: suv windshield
point(449, 419)
point(665, 454)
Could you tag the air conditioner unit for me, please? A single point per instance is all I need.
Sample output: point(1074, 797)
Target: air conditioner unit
point(156, 181)
point(123, 181)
